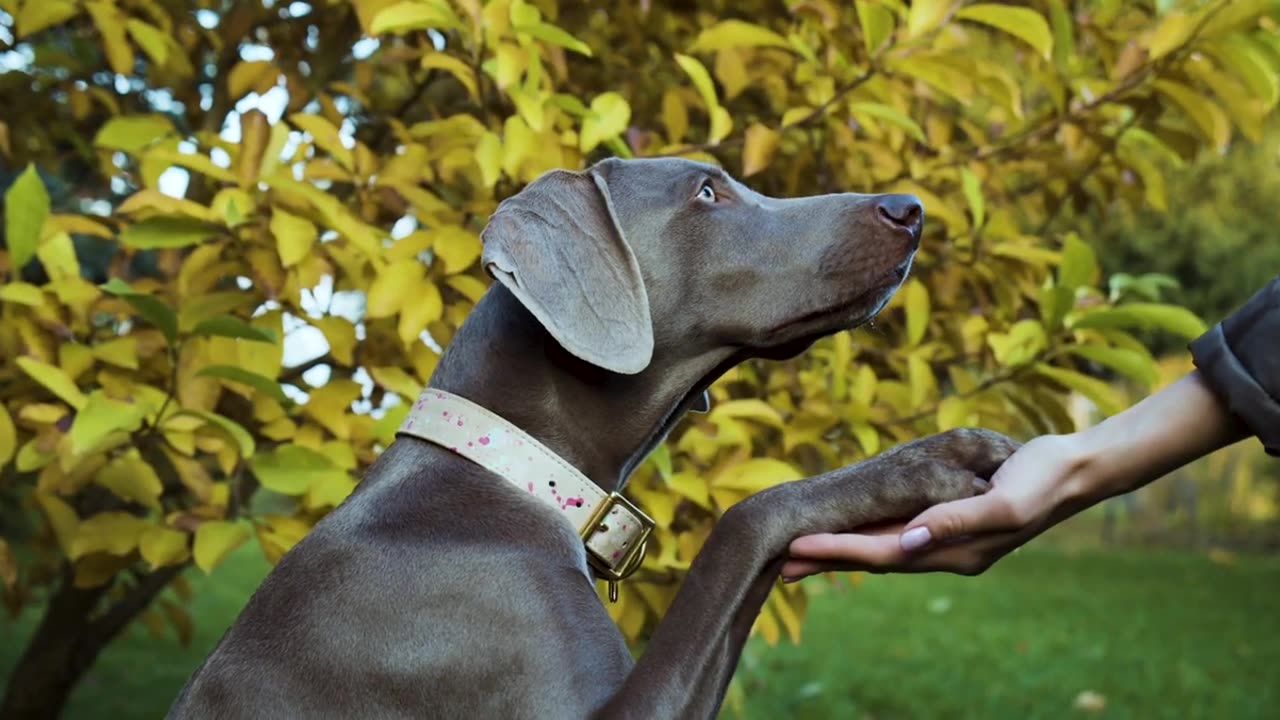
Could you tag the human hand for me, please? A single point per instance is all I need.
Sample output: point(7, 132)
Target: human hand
point(1046, 481)
point(1040, 485)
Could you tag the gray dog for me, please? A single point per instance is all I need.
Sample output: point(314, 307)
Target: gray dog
point(457, 581)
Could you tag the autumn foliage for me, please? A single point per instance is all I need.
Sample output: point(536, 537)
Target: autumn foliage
point(237, 234)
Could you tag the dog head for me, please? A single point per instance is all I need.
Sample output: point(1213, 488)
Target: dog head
point(632, 258)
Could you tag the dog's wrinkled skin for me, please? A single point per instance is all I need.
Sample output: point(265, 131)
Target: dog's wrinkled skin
point(440, 590)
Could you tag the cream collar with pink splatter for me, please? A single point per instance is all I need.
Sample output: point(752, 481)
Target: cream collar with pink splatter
point(614, 531)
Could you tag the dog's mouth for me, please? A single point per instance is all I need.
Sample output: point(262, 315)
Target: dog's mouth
point(807, 329)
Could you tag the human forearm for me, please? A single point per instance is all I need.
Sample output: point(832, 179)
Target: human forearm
point(1156, 436)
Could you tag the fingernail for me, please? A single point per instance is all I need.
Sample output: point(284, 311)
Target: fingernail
point(915, 538)
point(789, 580)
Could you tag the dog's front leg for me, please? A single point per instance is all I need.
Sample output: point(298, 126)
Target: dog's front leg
point(692, 655)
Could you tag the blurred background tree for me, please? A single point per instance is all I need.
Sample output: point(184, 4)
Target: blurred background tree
point(238, 233)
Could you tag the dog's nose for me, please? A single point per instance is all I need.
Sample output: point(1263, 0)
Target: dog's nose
point(903, 211)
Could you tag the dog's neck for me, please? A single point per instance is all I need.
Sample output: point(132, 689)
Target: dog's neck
point(601, 422)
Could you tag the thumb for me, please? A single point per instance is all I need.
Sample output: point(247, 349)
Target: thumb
point(949, 521)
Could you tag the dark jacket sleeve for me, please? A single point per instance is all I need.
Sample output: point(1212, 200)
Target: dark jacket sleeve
point(1240, 359)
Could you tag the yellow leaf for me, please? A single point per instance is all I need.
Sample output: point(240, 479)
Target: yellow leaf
point(99, 418)
point(1208, 118)
point(939, 74)
point(22, 294)
point(294, 236)
point(215, 540)
point(554, 35)
point(251, 76)
point(149, 39)
point(953, 412)
point(916, 301)
point(148, 202)
point(1246, 61)
point(396, 380)
point(417, 15)
point(121, 352)
point(926, 15)
point(721, 124)
point(517, 144)
point(454, 66)
point(756, 474)
point(54, 380)
point(701, 79)
point(132, 478)
point(761, 143)
point(32, 16)
point(1172, 32)
point(737, 33)
point(291, 469)
point(325, 136)
point(877, 24)
point(1102, 394)
point(890, 115)
point(341, 336)
point(161, 546)
point(489, 158)
point(748, 408)
point(423, 306)
point(868, 437)
point(26, 205)
point(1023, 23)
point(923, 383)
point(62, 519)
point(972, 188)
point(8, 437)
point(608, 118)
point(767, 626)
point(329, 405)
point(471, 287)
point(392, 287)
point(110, 22)
point(114, 533)
point(458, 248)
point(675, 117)
point(58, 255)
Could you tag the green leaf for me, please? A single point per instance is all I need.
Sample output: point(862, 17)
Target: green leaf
point(26, 206)
point(232, 327)
point(215, 540)
point(1102, 394)
point(555, 36)
point(972, 189)
point(152, 309)
point(1161, 316)
point(1064, 44)
point(1023, 23)
point(166, 232)
point(926, 15)
point(737, 33)
point(916, 301)
point(1127, 362)
point(133, 133)
point(292, 469)
point(1079, 264)
point(661, 459)
point(890, 115)
point(262, 384)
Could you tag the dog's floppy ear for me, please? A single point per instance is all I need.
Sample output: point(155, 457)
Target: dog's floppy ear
point(557, 246)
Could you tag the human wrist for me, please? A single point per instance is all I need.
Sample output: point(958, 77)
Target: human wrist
point(1155, 436)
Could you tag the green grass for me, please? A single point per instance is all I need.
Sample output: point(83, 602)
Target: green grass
point(1156, 635)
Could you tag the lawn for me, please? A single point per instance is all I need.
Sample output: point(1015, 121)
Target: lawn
point(1145, 635)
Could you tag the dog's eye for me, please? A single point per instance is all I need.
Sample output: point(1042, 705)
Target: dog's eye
point(707, 193)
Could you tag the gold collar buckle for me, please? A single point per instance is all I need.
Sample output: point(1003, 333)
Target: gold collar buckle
point(634, 555)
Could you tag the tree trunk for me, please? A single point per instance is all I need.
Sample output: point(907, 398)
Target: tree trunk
point(67, 642)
